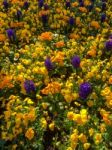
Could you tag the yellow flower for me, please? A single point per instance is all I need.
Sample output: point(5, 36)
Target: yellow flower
point(14, 147)
point(44, 105)
point(86, 146)
point(74, 137)
point(43, 123)
point(70, 115)
point(102, 127)
point(4, 135)
point(90, 103)
point(91, 131)
point(98, 138)
point(82, 138)
point(51, 126)
point(7, 114)
point(69, 148)
point(106, 91)
point(29, 134)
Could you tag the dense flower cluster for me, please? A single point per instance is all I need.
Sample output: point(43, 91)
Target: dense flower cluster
point(55, 74)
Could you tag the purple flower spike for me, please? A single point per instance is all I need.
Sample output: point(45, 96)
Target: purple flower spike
point(71, 21)
point(81, 4)
point(26, 5)
point(48, 64)
point(11, 34)
point(19, 14)
point(5, 3)
point(75, 61)
point(103, 17)
point(40, 3)
point(84, 90)
point(108, 45)
point(68, 4)
point(29, 86)
point(44, 18)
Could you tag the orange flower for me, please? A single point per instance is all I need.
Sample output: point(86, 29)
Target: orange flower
point(92, 53)
point(110, 80)
point(78, 21)
point(46, 36)
point(74, 36)
point(43, 12)
point(2, 37)
point(16, 24)
point(59, 44)
point(6, 82)
point(105, 115)
point(58, 10)
point(95, 24)
point(75, 4)
point(86, 3)
point(52, 88)
point(29, 134)
point(83, 9)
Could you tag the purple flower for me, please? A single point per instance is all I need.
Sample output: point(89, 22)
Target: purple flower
point(68, 4)
point(29, 86)
point(40, 3)
point(71, 21)
point(19, 14)
point(75, 61)
point(11, 34)
point(84, 90)
point(44, 18)
point(108, 45)
point(81, 4)
point(26, 5)
point(5, 3)
point(103, 17)
point(46, 7)
point(48, 64)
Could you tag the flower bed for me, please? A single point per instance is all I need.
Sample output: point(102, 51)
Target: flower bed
point(56, 74)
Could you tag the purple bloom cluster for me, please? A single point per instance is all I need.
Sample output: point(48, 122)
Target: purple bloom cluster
point(81, 4)
point(44, 18)
point(103, 17)
point(108, 45)
point(68, 4)
point(19, 14)
point(40, 3)
point(5, 3)
point(75, 61)
point(29, 86)
point(71, 21)
point(11, 34)
point(84, 90)
point(48, 64)
point(26, 5)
